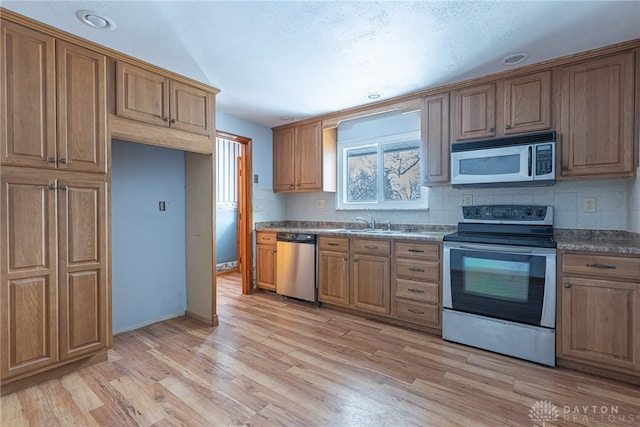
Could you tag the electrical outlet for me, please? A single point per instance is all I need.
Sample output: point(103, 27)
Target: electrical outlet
point(320, 204)
point(589, 204)
point(465, 200)
point(162, 206)
point(256, 179)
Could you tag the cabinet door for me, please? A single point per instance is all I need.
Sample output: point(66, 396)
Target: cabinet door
point(475, 112)
point(266, 266)
point(598, 117)
point(308, 157)
point(600, 321)
point(27, 98)
point(372, 283)
point(82, 109)
point(527, 103)
point(435, 139)
point(142, 95)
point(191, 109)
point(283, 160)
point(333, 278)
point(29, 293)
point(82, 228)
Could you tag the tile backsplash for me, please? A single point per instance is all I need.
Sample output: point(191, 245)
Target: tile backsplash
point(617, 205)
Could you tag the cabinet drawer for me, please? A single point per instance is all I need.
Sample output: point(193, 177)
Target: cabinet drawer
point(265, 238)
point(419, 291)
point(417, 312)
point(603, 266)
point(373, 247)
point(336, 244)
point(418, 270)
point(418, 250)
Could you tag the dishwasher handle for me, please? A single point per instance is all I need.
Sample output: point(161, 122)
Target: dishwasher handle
point(296, 237)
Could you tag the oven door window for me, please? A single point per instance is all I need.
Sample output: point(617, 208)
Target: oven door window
point(500, 285)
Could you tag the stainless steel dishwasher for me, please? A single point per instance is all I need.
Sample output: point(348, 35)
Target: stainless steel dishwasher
point(296, 264)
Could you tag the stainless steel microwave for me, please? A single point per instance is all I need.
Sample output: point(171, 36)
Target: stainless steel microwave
point(505, 162)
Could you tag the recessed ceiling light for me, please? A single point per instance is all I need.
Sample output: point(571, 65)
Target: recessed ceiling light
point(286, 118)
point(96, 20)
point(374, 95)
point(515, 58)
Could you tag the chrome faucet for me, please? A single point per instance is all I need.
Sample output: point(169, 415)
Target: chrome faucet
point(371, 222)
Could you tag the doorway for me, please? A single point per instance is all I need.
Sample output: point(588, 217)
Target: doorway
point(234, 219)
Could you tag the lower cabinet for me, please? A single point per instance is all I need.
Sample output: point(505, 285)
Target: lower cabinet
point(371, 275)
point(416, 283)
point(599, 310)
point(55, 296)
point(333, 270)
point(266, 251)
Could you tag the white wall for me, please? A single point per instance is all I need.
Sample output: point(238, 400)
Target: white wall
point(566, 198)
point(633, 196)
point(267, 206)
point(148, 246)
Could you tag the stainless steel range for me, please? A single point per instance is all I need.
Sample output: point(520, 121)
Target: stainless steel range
point(499, 290)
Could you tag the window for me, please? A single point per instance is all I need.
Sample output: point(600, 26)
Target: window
point(381, 172)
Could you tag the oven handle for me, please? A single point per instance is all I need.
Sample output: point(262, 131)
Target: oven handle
point(489, 248)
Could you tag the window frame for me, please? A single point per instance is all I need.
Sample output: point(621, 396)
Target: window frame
point(380, 203)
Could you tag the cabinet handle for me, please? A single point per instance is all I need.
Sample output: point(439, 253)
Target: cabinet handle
point(567, 285)
point(370, 247)
point(346, 258)
point(411, 310)
point(332, 244)
point(291, 186)
point(417, 270)
point(418, 251)
point(491, 129)
point(416, 291)
point(355, 260)
point(602, 266)
point(266, 238)
point(166, 119)
point(507, 127)
point(52, 160)
point(63, 187)
point(52, 186)
point(565, 168)
point(172, 120)
point(63, 161)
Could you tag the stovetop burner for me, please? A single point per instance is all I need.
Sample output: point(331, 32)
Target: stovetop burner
point(518, 225)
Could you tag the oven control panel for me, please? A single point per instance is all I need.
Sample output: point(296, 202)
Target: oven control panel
point(507, 214)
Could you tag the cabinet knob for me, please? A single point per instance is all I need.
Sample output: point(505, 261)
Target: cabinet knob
point(63, 161)
point(346, 258)
point(355, 260)
point(52, 160)
point(492, 129)
point(52, 186)
point(291, 186)
point(565, 168)
point(166, 119)
point(63, 187)
point(567, 285)
point(172, 120)
point(507, 127)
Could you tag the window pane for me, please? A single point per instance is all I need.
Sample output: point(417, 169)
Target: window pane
point(362, 165)
point(402, 171)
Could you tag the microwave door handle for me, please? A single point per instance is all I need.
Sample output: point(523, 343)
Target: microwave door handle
point(530, 159)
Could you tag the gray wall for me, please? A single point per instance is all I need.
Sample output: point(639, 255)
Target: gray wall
point(148, 246)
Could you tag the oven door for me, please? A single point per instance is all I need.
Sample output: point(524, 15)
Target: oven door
point(504, 282)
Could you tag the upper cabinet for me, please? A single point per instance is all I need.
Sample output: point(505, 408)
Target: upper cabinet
point(304, 159)
point(435, 139)
point(597, 117)
point(149, 97)
point(40, 129)
point(523, 105)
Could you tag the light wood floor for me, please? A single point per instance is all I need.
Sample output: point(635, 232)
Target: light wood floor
point(273, 361)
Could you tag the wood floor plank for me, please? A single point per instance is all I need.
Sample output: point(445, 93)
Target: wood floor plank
point(274, 361)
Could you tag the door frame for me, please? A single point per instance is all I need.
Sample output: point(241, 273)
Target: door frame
point(245, 210)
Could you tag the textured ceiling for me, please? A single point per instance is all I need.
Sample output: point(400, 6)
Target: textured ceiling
point(301, 59)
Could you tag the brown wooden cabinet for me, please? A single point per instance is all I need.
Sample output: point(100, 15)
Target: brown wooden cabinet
point(474, 112)
point(153, 98)
point(417, 283)
point(599, 311)
point(55, 293)
point(266, 250)
point(371, 275)
point(54, 111)
point(333, 270)
point(435, 141)
point(597, 117)
point(301, 159)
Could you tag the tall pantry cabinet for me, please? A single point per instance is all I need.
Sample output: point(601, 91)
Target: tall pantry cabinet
point(54, 295)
